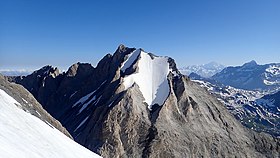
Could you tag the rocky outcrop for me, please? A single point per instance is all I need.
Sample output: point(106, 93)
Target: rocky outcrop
point(112, 110)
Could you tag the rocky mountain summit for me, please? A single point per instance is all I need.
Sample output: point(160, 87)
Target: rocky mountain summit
point(137, 104)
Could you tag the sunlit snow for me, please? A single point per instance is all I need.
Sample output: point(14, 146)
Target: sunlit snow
point(151, 77)
point(83, 99)
point(130, 59)
point(86, 97)
point(81, 123)
point(273, 69)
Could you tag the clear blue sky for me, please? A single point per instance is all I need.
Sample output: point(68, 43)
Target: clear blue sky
point(34, 33)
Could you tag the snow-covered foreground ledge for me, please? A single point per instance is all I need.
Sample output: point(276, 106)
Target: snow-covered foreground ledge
point(25, 136)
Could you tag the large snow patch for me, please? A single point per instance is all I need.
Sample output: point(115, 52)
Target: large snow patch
point(151, 76)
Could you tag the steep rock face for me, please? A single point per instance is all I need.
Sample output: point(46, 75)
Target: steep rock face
point(116, 113)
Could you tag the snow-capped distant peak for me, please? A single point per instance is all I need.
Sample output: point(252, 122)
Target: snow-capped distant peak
point(151, 76)
point(204, 70)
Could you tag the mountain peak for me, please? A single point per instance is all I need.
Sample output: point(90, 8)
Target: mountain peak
point(122, 48)
point(79, 67)
point(47, 70)
point(250, 64)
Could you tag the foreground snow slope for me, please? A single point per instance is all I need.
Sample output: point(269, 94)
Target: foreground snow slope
point(23, 135)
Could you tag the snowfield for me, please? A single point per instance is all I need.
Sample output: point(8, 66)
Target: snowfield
point(26, 136)
point(151, 76)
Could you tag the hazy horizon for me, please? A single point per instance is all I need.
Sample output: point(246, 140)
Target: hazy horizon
point(62, 69)
point(61, 33)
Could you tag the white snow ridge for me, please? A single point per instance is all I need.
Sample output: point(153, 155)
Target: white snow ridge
point(151, 76)
point(24, 135)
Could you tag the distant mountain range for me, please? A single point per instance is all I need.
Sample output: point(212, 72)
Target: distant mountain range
point(250, 76)
point(205, 70)
point(137, 104)
point(258, 110)
point(15, 72)
point(250, 92)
